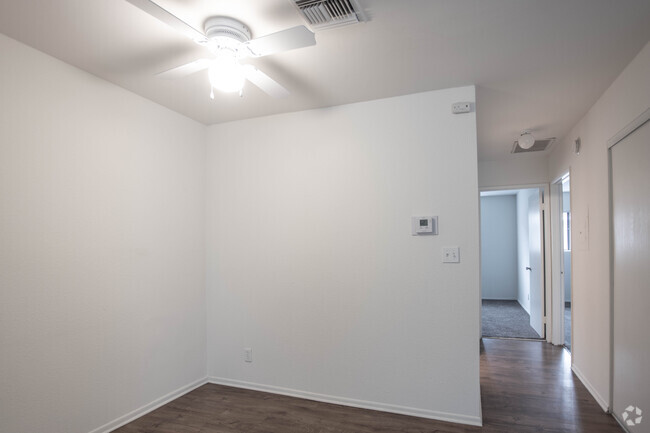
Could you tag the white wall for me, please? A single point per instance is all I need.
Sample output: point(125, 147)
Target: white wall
point(101, 248)
point(499, 279)
point(313, 266)
point(516, 170)
point(623, 101)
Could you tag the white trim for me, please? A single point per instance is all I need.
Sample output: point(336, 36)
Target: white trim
point(621, 423)
point(629, 128)
point(610, 217)
point(548, 264)
point(513, 187)
point(557, 257)
point(363, 404)
point(600, 400)
point(143, 410)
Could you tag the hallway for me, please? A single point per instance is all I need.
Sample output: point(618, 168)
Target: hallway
point(528, 386)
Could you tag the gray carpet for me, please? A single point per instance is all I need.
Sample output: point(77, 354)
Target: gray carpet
point(506, 319)
point(567, 325)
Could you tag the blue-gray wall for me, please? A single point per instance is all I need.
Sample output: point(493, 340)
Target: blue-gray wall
point(499, 247)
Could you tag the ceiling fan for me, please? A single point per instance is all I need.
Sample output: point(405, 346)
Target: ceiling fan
point(229, 41)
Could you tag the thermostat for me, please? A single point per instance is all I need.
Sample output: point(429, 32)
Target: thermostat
point(424, 225)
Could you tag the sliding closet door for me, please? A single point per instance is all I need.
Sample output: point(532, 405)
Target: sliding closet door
point(630, 161)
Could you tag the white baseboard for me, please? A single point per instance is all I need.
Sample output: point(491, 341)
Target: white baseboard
point(599, 399)
point(625, 428)
point(527, 310)
point(125, 419)
point(384, 407)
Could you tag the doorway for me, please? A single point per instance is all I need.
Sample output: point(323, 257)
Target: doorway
point(512, 264)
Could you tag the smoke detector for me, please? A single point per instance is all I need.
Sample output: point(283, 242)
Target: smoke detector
point(328, 14)
point(526, 139)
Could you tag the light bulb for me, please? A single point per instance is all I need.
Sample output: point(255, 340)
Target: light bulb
point(226, 73)
point(526, 140)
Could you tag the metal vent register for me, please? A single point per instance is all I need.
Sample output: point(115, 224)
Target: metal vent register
point(326, 14)
point(538, 146)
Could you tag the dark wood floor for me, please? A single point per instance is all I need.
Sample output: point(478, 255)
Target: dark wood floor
point(526, 387)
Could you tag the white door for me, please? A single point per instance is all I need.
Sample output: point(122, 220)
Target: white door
point(630, 160)
point(536, 266)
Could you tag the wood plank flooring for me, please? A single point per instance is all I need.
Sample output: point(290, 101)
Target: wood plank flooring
point(526, 387)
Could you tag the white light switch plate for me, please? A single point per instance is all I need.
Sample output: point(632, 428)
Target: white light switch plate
point(450, 255)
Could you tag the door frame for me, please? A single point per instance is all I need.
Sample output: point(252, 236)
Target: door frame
point(557, 264)
point(546, 244)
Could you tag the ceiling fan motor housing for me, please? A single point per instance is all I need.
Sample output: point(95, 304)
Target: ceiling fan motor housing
point(225, 27)
point(225, 33)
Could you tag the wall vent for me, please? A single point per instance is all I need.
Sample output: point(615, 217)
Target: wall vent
point(538, 146)
point(327, 14)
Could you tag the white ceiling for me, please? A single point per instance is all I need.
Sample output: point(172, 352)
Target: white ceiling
point(537, 64)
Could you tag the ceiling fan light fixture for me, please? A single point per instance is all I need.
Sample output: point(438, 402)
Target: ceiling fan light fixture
point(526, 140)
point(226, 74)
point(229, 40)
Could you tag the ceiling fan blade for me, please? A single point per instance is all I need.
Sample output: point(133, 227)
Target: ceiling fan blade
point(264, 82)
point(285, 40)
point(166, 17)
point(184, 70)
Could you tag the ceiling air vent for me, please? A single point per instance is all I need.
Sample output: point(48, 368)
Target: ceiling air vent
point(538, 146)
point(327, 14)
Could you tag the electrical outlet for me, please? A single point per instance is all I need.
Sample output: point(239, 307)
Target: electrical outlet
point(450, 255)
point(248, 354)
